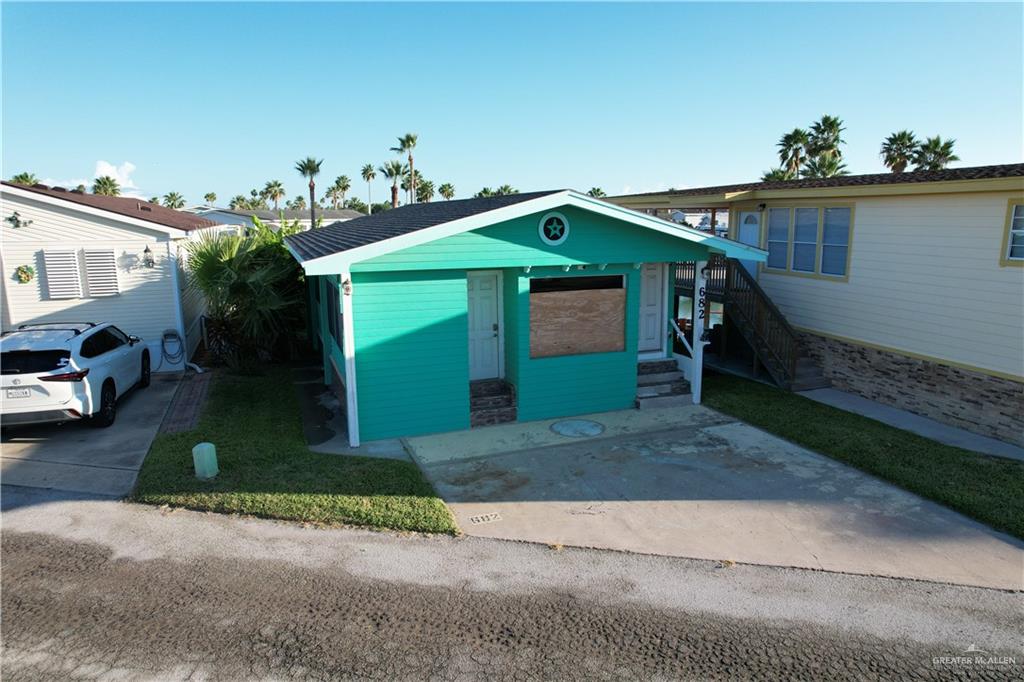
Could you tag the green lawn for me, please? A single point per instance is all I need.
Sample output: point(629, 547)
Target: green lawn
point(989, 489)
point(266, 469)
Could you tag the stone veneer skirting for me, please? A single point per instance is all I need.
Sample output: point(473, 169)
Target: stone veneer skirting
point(983, 404)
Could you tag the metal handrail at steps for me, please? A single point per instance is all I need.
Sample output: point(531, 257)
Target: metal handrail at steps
point(762, 324)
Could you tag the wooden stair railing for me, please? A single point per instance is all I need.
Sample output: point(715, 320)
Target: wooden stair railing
point(765, 328)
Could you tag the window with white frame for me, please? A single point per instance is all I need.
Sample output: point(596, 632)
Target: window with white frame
point(63, 279)
point(1015, 238)
point(101, 272)
point(811, 240)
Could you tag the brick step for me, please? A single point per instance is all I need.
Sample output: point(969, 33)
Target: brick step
point(666, 388)
point(489, 387)
point(674, 400)
point(656, 366)
point(659, 378)
point(491, 416)
point(486, 402)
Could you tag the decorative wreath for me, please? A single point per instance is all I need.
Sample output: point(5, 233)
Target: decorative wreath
point(25, 273)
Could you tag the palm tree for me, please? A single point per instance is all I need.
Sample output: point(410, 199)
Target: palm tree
point(80, 189)
point(484, 192)
point(210, 198)
point(393, 171)
point(174, 200)
point(505, 189)
point(410, 179)
point(406, 143)
point(934, 154)
point(238, 203)
point(776, 175)
point(596, 192)
point(344, 185)
point(297, 204)
point(274, 191)
point(825, 167)
point(793, 151)
point(154, 200)
point(256, 199)
point(425, 191)
point(27, 179)
point(825, 137)
point(368, 175)
point(106, 186)
point(447, 190)
point(898, 150)
point(310, 168)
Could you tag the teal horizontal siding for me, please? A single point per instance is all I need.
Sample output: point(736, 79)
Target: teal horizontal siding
point(569, 385)
point(593, 238)
point(412, 347)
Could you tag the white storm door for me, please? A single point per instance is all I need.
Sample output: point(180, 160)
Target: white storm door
point(652, 307)
point(484, 326)
point(750, 234)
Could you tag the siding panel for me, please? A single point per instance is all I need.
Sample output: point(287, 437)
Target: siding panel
point(925, 279)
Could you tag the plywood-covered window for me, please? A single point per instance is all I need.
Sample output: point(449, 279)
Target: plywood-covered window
point(577, 315)
point(101, 272)
point(63, 279)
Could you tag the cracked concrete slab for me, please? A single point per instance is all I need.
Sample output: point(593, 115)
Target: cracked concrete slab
point(703, 486)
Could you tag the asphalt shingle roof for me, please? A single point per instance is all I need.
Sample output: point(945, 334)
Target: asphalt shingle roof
point(338, 237)
point(126, 206)
point(1009, 170)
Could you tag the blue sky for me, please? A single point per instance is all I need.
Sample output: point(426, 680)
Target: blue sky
point(631, 97)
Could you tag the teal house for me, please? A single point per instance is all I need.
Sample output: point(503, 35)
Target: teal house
point(441, 316)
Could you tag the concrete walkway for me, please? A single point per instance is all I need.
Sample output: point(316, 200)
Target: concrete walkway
point(691, 482)
point(908, 421)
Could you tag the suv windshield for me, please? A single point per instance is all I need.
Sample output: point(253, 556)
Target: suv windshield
point(33, 361)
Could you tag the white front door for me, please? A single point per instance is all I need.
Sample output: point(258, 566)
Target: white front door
point(750, 233)
point(484, 326)
point(652, 307)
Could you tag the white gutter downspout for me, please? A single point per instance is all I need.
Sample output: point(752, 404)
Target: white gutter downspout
point(348, 337)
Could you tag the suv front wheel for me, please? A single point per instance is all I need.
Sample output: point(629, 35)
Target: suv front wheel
point(108, 407)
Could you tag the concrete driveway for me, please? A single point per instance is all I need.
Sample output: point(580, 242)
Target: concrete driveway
point(76, 458)
point(694, 483)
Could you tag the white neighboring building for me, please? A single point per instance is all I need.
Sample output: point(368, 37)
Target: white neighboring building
point(100, 259)
point(227, 216)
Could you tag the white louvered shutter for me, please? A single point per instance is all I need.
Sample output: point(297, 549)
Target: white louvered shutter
point(62, 277)
point(101, 272)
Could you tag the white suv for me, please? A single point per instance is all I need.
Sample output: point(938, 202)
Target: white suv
point(59, 372)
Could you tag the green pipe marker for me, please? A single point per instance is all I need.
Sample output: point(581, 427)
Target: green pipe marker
point(204, 457)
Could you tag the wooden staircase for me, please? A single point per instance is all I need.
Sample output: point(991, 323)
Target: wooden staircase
point(762, 325)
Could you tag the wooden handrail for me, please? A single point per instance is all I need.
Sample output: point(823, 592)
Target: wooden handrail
point(744, 296)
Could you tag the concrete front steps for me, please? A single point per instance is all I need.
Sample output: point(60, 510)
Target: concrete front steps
point(491, 401)
point(659, 383)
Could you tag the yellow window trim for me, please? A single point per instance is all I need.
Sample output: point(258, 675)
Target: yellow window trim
point(763, 268)
point(1004, 254)
point(916, 356)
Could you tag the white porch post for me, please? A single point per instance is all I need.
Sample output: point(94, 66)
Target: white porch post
point(348, 336)
point(700, 311)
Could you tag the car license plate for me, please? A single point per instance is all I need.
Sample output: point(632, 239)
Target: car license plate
point(18, 393)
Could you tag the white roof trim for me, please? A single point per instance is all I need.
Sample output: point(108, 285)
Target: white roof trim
point(92, 210)
point(339, 262)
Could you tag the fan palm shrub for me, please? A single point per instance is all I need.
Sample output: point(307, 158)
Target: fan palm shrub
point(253, 290)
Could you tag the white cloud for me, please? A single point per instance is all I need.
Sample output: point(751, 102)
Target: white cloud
point(122, 173)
